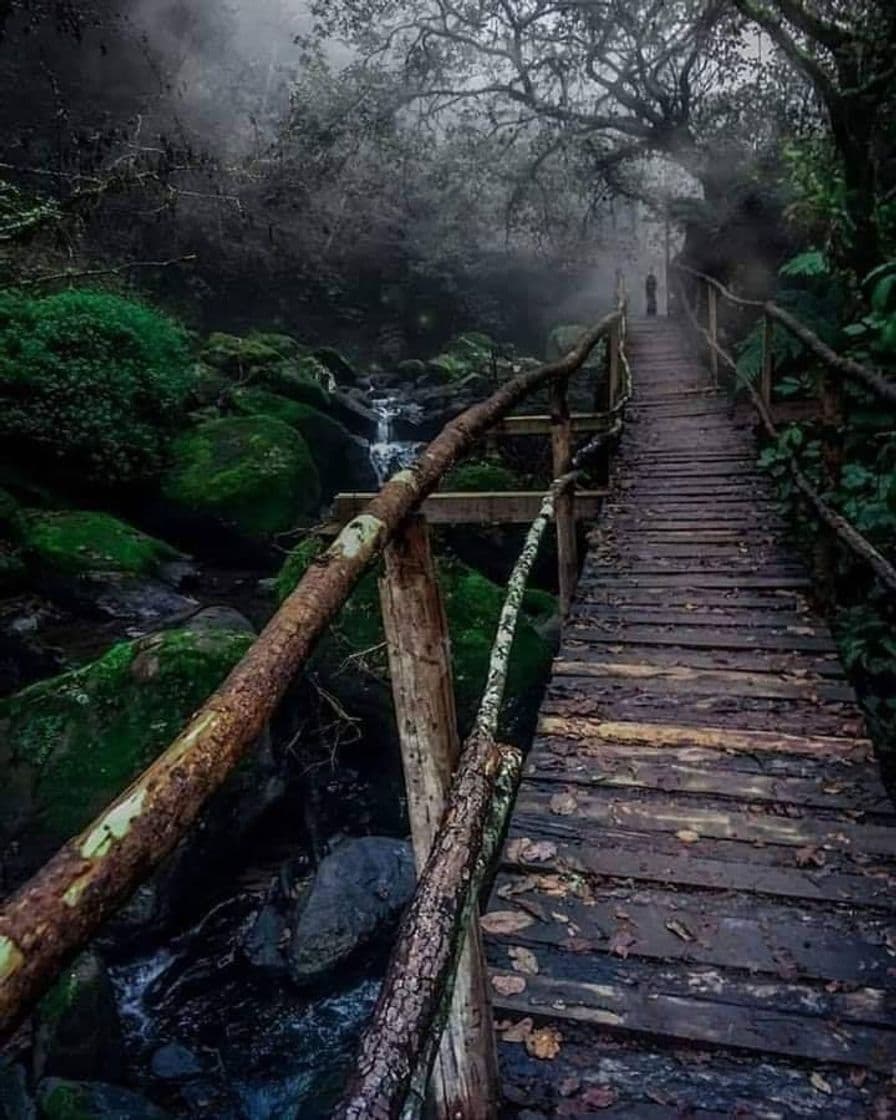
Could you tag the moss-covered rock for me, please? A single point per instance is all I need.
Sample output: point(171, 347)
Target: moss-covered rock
point(465, 354)
point(481, 475)
point(92, 1100)
point(77, 1032)
point(564, 337)
point(91, 385)
point(342, 460)
point(73, 542)
point(73, 742)
point(268, 362)
point(472, 605)
point(254, 473)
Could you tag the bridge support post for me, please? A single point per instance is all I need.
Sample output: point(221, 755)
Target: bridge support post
point(464, 1081)
point(768, 363)
point(564, 506)
point(712, 315)
point(613, 379)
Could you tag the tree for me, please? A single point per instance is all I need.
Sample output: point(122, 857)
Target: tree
point(847, 52)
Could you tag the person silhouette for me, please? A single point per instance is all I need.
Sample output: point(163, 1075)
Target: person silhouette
point(650, 289)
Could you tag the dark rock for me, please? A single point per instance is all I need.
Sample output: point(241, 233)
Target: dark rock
point(412, 367)
point(339, 366)
point(92, 1100)
point(351, 409)
point(174, 1062)
point(15, 1101)
point(77, 1028)
point(356, 898)
point(147, 602)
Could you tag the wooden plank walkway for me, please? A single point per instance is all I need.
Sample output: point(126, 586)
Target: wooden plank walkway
point(694, 913)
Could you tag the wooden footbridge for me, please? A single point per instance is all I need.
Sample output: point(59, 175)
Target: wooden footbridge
point(690, 914)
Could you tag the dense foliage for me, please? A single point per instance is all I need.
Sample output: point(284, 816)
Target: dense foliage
point(91, 384)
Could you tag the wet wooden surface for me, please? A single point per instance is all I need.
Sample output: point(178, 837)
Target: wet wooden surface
point(694, 912)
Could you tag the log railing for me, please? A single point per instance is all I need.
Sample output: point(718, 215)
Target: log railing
point(457, 801)
point(836, 366)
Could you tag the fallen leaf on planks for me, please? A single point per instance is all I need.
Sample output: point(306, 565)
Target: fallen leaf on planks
point(523, 960)
point(505, 921)
point(687, 836)
point(679, 929)
point(544, 1043)
point(599, 1096)
point(517, 1032)
point(508, 985)
point(563, 804)
point(819, 1083)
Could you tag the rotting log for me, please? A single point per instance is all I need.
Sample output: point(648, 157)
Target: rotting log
point(399, 1036)
point(465, 1072)
point(564, 505)
point(54, 914)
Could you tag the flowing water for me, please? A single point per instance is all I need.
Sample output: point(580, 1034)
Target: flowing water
point(388, 454)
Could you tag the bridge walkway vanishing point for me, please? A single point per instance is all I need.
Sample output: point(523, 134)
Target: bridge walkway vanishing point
point(693, 916)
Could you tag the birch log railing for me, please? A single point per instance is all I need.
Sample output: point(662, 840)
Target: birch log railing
point(837, 368)
point(457, 801)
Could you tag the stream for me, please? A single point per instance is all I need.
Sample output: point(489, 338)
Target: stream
point(388, 454)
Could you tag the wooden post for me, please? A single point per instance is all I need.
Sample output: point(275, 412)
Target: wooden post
point(564, 507)
point(712, 311)
point(464, 1080)
point(768, 363)
point(613, 373)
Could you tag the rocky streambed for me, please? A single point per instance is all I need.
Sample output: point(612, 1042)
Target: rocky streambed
point(235, 982)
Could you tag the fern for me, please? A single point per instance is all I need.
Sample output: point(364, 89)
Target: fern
point(811, 263)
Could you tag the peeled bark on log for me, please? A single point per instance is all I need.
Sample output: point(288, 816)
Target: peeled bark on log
point(53, 915)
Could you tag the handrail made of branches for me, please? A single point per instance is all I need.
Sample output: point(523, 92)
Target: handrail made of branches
point(843, 529)
point(58, 910)
point(847, 367)
point(402, 1036)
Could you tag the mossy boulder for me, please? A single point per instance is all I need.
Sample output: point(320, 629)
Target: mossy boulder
point(481, 476)
point(73, 742)
point(273, 362)
point(465, 354)
point(92, 386)
point(341, 458)
point(75, 542)
point(77, 1032)
point(254, 473)
point(564, 337)
point(60, 1099)
point(472, 605)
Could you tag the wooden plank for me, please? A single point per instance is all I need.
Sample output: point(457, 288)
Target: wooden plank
point(717, 738)
point(694, 1020)
point(514, 507)
point(582, 423)
point(646, 811)
point(759, 936)
point(700, 637)
point(725, 866)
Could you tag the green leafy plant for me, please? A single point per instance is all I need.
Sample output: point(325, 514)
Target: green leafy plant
point(92, 385)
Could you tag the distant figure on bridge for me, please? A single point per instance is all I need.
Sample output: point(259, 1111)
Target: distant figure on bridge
point(650, 288)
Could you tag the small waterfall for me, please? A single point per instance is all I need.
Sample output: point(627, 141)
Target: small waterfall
point(387, 454)
point(132, 983)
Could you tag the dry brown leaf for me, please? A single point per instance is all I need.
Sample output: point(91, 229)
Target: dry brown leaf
point(563, 804)
point(538, 851)
point(544, 1043)
point(569, 1085)
point(599, 1096)
point(508, 985)
point(809, 855)
point(679, 929)
point(505, 921)
point(516, 886)
point(688, 836)
point(518, 1032)
point(621, 941)
point(819, 1083)
point(523, 960)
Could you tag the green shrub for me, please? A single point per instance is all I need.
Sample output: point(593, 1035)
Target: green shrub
point(480, 476)
point(92, 383)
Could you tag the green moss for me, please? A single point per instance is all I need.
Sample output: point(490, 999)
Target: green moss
point(75, 741)
point(564, 337)
point(465, 354)
point(265, 361)
point(254, 472)
point(472, 605)
point(479, 476)
point(67, 1102)
point(327, 438)
point(91, 384)
point(79, 541)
